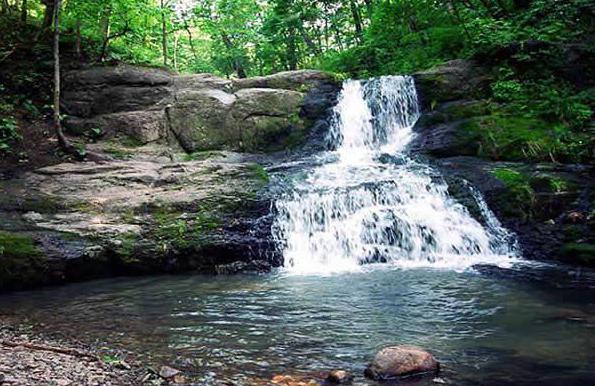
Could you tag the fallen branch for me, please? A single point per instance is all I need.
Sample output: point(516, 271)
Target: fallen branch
point(41, 347)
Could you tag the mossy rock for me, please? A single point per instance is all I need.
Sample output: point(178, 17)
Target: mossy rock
point(519, 198)
point(455, 111)
point(509, 138)
point(550, 183)
point(578, 253)
point(21, 261)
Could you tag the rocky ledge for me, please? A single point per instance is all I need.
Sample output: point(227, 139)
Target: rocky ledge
point(197, 112)
point(550, 206)
point(174, 195)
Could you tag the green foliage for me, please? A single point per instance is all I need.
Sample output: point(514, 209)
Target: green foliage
point(8, 132)
point(360, 38)
point(8, 124)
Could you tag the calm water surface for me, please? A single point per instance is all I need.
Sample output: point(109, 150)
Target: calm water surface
point(510, 328)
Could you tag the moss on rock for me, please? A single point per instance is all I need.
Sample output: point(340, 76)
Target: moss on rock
point(578, 253)
point(519, 198)
point(21, 261)
point(510, 138)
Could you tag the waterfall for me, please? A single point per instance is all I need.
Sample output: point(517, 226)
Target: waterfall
point(367, 201)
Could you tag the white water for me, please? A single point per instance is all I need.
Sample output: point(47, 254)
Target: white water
point(369, 202)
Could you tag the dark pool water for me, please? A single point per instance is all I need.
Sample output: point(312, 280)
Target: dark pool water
point(525, 326)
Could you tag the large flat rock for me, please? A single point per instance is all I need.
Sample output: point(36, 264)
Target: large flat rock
point(199, 111)
point(149, 213)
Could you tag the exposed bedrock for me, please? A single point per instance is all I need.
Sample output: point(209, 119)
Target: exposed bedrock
point(182, 193)
point(549, 205)
point(150, 214)
point(198, 112)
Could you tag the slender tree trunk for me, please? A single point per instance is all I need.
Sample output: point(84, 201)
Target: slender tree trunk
point(24, 12)
point(292, 50)
point(357, 20)
point(77, 43)
point(163, 33)
point(106, 26)
point(48, 14)
point(455, 12)
point(235, 63)
point(309, 42)
point(5, 7)
point(62, 141)
point(369, 8)
point(176, 38)
point(190, 40)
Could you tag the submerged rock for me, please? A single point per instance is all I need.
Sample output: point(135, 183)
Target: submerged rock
point(398, 361)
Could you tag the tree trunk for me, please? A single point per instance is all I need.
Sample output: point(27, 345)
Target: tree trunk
point(176, 38)
point(190, 40)
point(309, 42)
point(452, 7)
point(357, 20)
point(77, 43)
point(105, 26)
point(24, 12)
point(235, 63)
point(369, 8)
point(48, 14)
point(163, 33)
point(62, 141)
point(5, 7)
point(291, 51)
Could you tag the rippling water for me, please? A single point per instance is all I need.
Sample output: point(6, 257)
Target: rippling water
point(506, 328)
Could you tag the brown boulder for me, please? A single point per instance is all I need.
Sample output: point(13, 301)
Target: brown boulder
point(398, 361)
point(339, 377)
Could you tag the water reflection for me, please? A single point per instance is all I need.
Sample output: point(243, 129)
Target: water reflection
point(482, 327)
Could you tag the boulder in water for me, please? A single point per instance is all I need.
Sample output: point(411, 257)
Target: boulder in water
point(398, 361)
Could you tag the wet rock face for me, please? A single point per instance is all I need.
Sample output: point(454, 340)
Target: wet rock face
point(198, 112)
point(547, 205)
point(398, 361)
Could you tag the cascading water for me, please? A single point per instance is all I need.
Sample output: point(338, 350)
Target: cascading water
point(366, 201)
